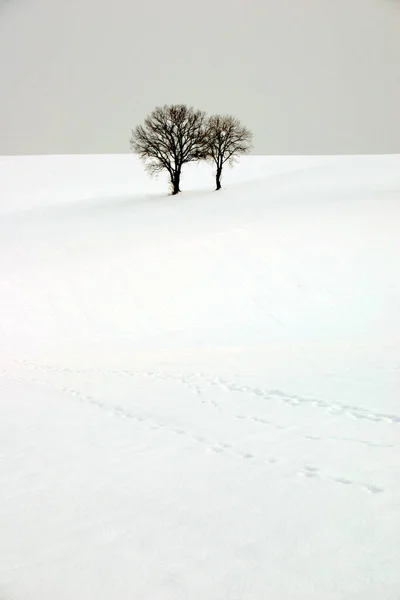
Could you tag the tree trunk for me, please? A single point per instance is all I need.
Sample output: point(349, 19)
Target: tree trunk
point(218, 178)
point(175, 182)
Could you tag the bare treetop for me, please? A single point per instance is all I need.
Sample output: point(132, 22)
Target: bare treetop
point(227, 139)
point(170, 137)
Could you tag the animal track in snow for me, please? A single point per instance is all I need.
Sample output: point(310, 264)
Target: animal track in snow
point(315, 438)
point(308, 471)
point(218, 447)
point(196, 382)
point(342, 480)
point(374, 489)
point(334, 408)
point(313, 472)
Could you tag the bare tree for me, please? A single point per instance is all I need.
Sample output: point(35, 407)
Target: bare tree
point(170, 137)
point(227, 139)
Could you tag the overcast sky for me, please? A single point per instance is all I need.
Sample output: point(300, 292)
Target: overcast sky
point(307, 76)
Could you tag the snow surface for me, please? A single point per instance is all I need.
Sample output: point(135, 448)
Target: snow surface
point(199, 396)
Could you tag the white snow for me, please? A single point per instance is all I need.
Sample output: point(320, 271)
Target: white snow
point(199, 395)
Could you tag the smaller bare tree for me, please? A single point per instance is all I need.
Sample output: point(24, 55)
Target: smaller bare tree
point(227, 139)
point(170, 137)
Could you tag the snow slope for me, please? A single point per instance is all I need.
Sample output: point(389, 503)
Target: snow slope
point(199, 396)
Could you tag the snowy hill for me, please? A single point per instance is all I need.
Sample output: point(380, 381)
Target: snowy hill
point(199, 396)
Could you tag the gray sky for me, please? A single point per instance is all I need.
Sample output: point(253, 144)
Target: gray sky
point(307, 76)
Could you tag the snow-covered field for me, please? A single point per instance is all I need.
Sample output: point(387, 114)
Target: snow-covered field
point(200, 395)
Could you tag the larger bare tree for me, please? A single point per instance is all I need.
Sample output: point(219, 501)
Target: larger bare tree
point(227, 139)
point(170, 137)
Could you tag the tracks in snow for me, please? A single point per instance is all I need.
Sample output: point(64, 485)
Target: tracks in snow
point(198, 383)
